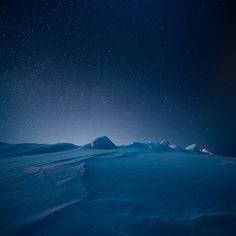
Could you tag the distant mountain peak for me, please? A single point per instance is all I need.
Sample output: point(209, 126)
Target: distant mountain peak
point(165, 142)
point(195, 148)
point(165, 146)
point(102, 142)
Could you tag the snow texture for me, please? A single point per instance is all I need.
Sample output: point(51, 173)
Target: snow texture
point(137, 189)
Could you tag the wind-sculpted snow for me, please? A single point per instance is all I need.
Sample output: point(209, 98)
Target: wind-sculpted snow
point(140, 189)
point(32, 148)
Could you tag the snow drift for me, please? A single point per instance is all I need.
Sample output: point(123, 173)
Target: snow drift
point(130, 190)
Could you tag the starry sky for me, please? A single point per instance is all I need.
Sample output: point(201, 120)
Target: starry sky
point(134, 70)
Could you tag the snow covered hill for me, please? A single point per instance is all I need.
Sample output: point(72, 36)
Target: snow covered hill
point(139, 189)
point(101, 143)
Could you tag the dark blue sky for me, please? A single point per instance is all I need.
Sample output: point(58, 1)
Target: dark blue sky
point(133, 70)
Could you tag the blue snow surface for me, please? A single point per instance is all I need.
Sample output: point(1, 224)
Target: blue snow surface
point(130, 190)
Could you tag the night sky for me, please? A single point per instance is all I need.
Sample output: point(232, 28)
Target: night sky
point(132, 70)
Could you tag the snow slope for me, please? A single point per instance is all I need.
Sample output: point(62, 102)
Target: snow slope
point(33, 148)
point(131, 190)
